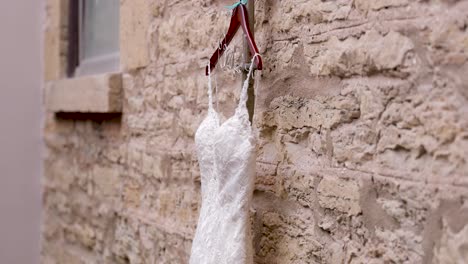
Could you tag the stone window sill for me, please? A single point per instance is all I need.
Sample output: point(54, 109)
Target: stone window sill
point(100, 93)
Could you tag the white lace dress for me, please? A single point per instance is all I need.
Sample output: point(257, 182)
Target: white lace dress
point(226, 154)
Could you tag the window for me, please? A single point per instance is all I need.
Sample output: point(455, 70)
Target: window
point(93, 37)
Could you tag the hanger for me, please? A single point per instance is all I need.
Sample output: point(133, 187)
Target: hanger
point(239, 18)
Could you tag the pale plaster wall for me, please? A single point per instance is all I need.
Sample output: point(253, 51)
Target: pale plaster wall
point(20, 136)
point(362, 125)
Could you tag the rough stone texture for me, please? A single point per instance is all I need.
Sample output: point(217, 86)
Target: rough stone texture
point(55, 37)
point(96, 94)
point(362, 138)
point(135, 19)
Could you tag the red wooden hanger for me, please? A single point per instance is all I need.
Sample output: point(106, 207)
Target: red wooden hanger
point(239, 18)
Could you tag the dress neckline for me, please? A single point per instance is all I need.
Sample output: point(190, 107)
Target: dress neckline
point(241, 108)
point(218, 122)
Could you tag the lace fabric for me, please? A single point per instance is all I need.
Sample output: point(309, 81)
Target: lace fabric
point(226, 154)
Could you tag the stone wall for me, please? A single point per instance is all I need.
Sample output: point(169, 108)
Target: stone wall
point(362, 123)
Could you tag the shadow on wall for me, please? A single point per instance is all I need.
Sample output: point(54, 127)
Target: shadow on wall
point(97, 117)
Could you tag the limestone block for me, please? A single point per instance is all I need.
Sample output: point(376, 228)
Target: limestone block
point(88, 94)
point(106, 181)
point(183, 36)
point(126, 246)
point(131, 192)
point(288, 238)
point(375, 5)
point(56, 253)
point(135, 17)
point(295, 112)
point(52, 40)
point(453, 246)
point(369, 54)
point(338, 194)
point(83, 233)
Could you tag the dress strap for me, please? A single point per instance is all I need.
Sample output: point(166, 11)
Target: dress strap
point(245, 86)
point(210, 91)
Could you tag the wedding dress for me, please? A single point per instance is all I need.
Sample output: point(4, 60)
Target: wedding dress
point(226, 154)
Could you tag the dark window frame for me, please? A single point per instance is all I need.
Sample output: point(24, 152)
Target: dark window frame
point(73, 53)
point(76, 64)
